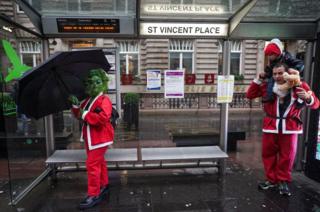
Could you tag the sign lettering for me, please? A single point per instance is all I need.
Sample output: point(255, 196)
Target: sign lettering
point(182, 9)
point(183, 29)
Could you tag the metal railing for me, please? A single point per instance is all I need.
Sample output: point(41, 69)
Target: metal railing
point(193, 101)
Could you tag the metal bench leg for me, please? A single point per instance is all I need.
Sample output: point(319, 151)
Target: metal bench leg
point(53, 177)
point(222, 167)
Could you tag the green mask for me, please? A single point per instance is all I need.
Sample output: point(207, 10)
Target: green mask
point(96, 82)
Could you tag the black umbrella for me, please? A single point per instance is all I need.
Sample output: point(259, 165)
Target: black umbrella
point(45, 89)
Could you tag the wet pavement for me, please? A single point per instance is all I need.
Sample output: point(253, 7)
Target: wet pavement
point(174, 190)
point(192, 189)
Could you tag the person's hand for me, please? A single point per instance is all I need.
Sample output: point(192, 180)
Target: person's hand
point(262, 76)
point(74, 100)
point(292, 71)
point(303, 94)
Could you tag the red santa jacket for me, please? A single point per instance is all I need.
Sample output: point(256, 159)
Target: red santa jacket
point(291, 123)
point(97, 130)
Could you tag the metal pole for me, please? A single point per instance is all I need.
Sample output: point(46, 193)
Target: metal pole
point(48, 120)
point(305, 115)
point(118, 86)
point(224, 106)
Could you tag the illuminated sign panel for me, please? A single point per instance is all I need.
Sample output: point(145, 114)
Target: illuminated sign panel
point(88, 25)
point(182, 9)
point(184, 29)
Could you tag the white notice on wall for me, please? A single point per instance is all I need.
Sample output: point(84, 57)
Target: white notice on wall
point(111, 61)
point(112, 81)
point(174, 84)
point(225, 89)
point(153, 80)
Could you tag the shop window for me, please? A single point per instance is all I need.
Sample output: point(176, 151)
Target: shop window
point(235, 58)
point(129, 57)
point(30, 53)
point(181, 55)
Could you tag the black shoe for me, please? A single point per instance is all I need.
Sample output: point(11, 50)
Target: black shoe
point(104, 191)
point(266, 185)
point(284, 189)
point(89, 202)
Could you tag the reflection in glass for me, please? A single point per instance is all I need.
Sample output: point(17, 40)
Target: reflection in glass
point(284, 10)
point(235, 63)
point(187, 62)
point(235, 57)
point(174, 61)
point(181, 54)
point(208, 9)
point(85, 7)
point(129, 57)
point(25, 137)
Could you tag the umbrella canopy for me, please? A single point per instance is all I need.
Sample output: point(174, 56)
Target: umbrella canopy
point(45, 89)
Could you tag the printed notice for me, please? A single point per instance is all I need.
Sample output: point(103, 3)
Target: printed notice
point(153, 80)
point(112, 62)
point(225, 89)
point(112, 82)
point(174, 84)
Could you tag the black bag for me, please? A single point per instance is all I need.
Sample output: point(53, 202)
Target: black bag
point(114, 117)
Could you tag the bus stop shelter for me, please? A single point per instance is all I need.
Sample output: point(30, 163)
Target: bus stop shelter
point(231, 20)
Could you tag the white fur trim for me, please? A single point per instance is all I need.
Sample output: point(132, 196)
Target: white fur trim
point(292, 132)
point(100, 145)
point(90, 146)
point(84, 114)
point(278, 43)
point(75, 106)
point(284, 128)
point(311, 103)
point(270, 131)
point(278, 114)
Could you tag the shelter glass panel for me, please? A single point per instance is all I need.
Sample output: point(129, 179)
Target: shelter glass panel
point(205, 9)
point(284, 10)
point(24, 136)
point(85, 7)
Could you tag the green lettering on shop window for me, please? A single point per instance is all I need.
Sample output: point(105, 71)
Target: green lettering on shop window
point(17, 68)
point(8, 104)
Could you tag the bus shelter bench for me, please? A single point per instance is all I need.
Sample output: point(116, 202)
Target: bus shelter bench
point(116, 158)
point(176, 157)
point(163, 157)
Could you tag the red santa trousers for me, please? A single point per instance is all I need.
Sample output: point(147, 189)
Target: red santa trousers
point(278, 153)
point(97, 170)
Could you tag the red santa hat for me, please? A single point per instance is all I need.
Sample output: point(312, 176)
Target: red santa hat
point(275, 47)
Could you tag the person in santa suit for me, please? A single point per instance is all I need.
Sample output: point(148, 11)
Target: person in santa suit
point(97, 132)
point(275, 53)
point(281, 126)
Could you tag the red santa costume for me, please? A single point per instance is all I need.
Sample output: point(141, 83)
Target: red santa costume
point(281, 125)
point(98, 134)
